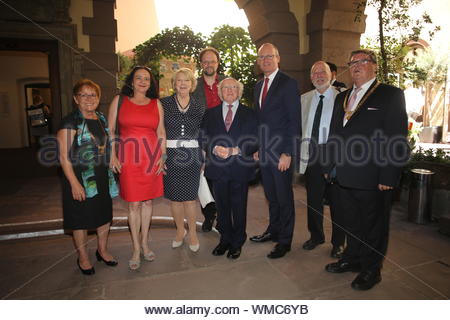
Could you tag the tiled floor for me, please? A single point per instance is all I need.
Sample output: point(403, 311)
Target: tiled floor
point(417, 265)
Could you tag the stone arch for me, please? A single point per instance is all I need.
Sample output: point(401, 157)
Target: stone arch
point(305, 31)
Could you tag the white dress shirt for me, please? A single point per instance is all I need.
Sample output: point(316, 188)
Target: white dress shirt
point(327, 112)
point(233, 109)
point(359, 95)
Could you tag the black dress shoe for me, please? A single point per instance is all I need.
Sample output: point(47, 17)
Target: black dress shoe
point(337, 252)
point(208, 223)
point(366, 280)
point(87, 272)
point(220, 249)
point(279, 251)
point(266, 236)
point(342, 266)
point(111, 263)
point(234, 253)
point(311, 244)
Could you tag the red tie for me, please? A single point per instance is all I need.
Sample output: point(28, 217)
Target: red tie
point(264, 93)
point(229, 117)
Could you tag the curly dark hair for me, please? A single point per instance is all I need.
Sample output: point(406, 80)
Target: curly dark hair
point(127, 89)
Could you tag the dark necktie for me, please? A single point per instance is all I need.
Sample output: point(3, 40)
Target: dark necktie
point(264, 93)
point(229, 117)
point(316, 123)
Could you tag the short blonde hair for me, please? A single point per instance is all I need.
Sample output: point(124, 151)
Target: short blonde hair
point(189, 74)
point(239, 85)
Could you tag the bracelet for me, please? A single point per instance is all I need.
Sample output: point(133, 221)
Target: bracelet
point(164, 157)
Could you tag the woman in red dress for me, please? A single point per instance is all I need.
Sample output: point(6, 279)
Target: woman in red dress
point(136, 124)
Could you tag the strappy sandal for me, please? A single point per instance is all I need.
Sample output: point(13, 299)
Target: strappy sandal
point(134, 264)
point(149, 256)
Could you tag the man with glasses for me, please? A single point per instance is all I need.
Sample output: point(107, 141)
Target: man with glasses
point(277, 106)
point(316, 116)
point(231, 129)
point(207, 93)
point(367, 147)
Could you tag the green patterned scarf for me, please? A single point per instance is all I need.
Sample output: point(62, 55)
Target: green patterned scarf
point(88, 157)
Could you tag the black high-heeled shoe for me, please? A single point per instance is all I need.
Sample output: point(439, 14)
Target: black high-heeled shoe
point(111, 263)
point(87, 272)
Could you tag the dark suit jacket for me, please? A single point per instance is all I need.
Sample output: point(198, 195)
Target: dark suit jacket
point(199, 91)
point(280, 114)
point(339, 85)
point(372, 147)
point(242, 134)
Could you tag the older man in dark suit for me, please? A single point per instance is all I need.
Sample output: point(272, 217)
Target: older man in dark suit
point(367, 148)
point(231, 132)
point(277, 105)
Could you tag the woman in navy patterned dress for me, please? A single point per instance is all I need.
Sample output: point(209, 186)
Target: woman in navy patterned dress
point(182, 118)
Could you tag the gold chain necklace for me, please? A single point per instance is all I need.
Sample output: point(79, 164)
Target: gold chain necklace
point(349, 113)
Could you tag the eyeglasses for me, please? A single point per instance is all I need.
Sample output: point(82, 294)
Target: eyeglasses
point(87, 96)
point(209, 62)
point(229, 87)
point(362, 61)
point(268, 57)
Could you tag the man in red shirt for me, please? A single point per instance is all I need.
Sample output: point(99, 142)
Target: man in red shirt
point(206, 93)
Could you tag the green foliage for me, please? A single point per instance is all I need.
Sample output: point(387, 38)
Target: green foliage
point(438, 156)
point(429, 65)
point(238, 56)
point(125, 66)
point(170, 43)
point(237, 52)
point(395, 28)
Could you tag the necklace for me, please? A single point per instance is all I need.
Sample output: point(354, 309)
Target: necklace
point(349, 113)
point(101, 147)
point(180, 107)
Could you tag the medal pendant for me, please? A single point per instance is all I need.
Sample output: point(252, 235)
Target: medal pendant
point(101, 149)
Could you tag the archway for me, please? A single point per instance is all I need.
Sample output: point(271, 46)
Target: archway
point(305, 31)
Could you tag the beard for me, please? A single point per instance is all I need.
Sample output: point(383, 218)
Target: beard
point(321, 86)
point(209, 71)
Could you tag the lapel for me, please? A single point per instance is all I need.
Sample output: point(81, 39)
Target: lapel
point(306, 109)
point(359, 108)
point(219, 119)
point(236, 124)
point(258, 89)
point(272, 89)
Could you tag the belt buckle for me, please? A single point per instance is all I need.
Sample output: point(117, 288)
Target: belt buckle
point(183, 144)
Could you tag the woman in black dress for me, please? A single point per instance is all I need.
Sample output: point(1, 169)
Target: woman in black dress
point(88, 183)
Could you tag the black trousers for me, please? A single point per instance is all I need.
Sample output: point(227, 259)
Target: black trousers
point(231, 200)
point(366, 220)
point(316, 189)
point(278, 191)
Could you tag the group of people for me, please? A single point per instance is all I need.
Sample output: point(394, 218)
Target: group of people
point(162, 148)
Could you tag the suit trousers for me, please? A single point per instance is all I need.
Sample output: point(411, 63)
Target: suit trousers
point(231, 201)
point(366, 220)
point(278, 191)
point(316, 188)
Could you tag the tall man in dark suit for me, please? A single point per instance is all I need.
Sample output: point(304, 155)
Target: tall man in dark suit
point(317, 109)
point(367, 148)
point(207, 93)
point(277, 106)
point(231, 132)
